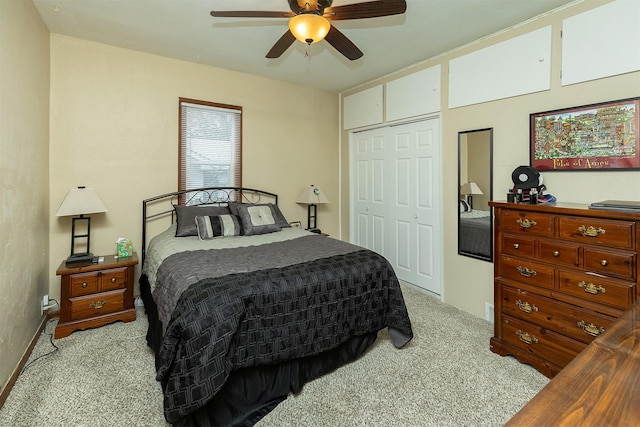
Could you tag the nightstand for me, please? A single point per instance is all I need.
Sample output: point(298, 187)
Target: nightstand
point(93, 295)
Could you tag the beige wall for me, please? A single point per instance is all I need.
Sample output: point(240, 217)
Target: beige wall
point(468, 283)
point(114, 127)
point(24, 175)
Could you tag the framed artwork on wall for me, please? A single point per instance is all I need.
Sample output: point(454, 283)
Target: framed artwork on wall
point(603, 136)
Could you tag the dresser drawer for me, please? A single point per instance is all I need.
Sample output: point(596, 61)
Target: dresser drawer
point(617, 264)
point(559, 253)
point(540, 341)
point(518, 245)
point(596, 231)
point(83, 284)
point(526, 271)
point(573, 321)
point(114, 279)
point(533, 223)
point(614, 293)
point(97, 304)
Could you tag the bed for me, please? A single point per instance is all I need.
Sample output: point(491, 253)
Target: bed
point(475, 233)
point(244, 309)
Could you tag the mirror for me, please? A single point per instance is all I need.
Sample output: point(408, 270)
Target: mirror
point(475, 190)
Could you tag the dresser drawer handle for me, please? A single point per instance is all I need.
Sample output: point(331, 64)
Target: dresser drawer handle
point(113, 280)
point(526, 338)
point(84, 284)
point(556, 253)
point(590, 329)
point(590, 288)
point(526, 223)
point(98, 304)
point(526, 307)
point(524, 271)
point(516, 246)
point(590, 231)
point(604, 262)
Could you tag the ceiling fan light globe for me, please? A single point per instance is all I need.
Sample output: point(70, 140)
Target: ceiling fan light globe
point(309, 28)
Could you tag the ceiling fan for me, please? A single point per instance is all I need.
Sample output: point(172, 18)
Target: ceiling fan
point(309, 22)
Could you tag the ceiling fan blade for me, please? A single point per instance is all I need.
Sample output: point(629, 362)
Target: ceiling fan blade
point(251, 14)
point(343, 44)
point(281, 45)
point(370, 9)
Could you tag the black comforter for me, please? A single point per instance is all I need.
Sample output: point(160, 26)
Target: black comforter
point(268, 316)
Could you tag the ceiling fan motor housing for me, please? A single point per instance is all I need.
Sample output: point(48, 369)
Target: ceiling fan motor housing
point(315, 6)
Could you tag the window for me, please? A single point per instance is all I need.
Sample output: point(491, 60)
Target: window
point(210, 143)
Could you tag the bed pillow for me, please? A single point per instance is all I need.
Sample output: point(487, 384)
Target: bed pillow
point(217, 226)
point(464, 206)
point(186, 217)
point(257, 219)
point(275, 211)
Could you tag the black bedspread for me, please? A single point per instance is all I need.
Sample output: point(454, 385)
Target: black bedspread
point(269, 316)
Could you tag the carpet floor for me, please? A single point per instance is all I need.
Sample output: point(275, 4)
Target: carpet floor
point(446, 376)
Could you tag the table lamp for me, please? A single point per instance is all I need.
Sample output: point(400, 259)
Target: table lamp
point(80, 201)
point(312, 196)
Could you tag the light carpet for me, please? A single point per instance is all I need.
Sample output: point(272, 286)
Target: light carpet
point(446, 376)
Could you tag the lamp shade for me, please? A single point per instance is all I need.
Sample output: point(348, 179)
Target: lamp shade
point(312, 196)
point(309, 28)
point(81, 201)
point(470, 188)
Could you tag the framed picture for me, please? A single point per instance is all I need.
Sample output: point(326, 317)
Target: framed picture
point(295, 224)
point(592, 137)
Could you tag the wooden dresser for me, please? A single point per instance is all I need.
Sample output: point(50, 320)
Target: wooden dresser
point(563, 275)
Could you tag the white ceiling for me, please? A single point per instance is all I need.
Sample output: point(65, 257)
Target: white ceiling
point(183, 29)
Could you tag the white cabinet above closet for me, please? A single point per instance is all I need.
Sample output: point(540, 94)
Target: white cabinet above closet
point(363, 108)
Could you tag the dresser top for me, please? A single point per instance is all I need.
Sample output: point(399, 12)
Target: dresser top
point(566, 208)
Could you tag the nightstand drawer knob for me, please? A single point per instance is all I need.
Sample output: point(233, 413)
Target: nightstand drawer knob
point(113, 280)
point(604, 262)
point(516, 246)
point(98, 304)
point(84, 284)
point(556, 253)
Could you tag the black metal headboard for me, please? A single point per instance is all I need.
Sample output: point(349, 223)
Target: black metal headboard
point(162, 206)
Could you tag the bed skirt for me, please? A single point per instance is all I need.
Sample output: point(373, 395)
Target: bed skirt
point(251, 393)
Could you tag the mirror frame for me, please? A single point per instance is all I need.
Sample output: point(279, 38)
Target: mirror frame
point(462, 139)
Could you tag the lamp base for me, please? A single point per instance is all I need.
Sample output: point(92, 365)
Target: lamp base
point(314, 230)
point(77, 259)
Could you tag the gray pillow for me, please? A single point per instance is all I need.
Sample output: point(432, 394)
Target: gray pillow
point(257, 219)
point(186, 217)
point(217, 226)
point(275, 211)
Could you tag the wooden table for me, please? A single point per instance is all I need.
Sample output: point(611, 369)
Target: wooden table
point(600, 387)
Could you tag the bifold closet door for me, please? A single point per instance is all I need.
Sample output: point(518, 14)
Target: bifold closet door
point(395, 198)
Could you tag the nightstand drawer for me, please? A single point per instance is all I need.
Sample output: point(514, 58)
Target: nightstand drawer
point(527, 272)
point(114, 279)
point(83, 284)
point(94, 305)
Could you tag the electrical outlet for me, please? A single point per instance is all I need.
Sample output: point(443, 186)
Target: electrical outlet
point(44, 304)
point(488, 311)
